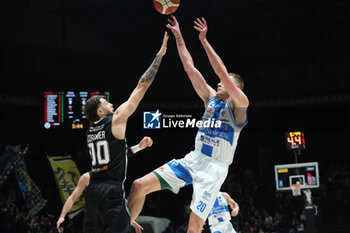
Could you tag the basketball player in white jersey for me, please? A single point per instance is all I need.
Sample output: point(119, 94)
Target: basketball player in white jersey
point(219, 218)
point(207, 166)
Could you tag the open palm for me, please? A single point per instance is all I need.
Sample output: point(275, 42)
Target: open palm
point(202, 27)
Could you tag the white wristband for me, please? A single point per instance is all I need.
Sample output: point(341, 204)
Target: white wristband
point(135, 148)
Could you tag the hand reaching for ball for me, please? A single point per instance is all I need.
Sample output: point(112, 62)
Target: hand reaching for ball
point(174, 26)
point(162, 50)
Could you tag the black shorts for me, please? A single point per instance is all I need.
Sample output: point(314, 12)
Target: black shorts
point(106, 209)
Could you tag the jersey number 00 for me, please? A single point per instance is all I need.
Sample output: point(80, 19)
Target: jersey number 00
point(101, 154)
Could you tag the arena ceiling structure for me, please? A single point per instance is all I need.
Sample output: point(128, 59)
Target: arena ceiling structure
point(290, 53)
point(285, 50)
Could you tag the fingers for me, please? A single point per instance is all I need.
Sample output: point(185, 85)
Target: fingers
point(150, 143)
point(169, 26)
point(166, 37)
point(171, 22)
point(198, 22)
point(201, 22)
point(174, 19)
point(147, 141)
point(234, 213)
point(58, 228)
point(138, 228)
point(205, 22)
point(198, 27)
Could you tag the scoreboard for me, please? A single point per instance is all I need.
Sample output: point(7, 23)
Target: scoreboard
point(64, 109)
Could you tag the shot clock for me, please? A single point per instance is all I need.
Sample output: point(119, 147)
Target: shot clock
point(295, 140)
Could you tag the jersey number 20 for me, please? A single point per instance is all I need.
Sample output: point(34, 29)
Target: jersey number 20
point(201, 206)
point(96, 156)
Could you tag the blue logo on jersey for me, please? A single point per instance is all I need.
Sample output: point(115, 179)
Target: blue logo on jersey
point(151, 120)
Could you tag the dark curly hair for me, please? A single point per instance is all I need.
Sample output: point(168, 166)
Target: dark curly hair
point(90, 108)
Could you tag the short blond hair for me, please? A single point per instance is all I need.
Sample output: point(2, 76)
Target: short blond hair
point(238, 80)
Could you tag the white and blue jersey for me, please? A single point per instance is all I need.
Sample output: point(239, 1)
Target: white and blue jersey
point(206, 167)
point(219, 143)
point(220, 212)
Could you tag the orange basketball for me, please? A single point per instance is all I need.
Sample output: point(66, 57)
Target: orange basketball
point(166, 7)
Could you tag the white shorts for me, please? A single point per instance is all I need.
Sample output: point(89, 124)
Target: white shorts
point(224, 227)
point(204, 173)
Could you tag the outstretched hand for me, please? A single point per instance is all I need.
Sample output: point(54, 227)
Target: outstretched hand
point(145, 142)
point(137, 227)
point(202, 27)
point(59, 222)
point(162, 50)
point(234, 212)
point(174, 26)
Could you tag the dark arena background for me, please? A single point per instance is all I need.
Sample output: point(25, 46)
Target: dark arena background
point(293, 55)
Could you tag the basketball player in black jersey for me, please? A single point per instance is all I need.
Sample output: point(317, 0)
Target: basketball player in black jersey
point(84, 181)
point(106, 141)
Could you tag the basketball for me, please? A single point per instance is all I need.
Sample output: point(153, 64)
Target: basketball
point(166, 7)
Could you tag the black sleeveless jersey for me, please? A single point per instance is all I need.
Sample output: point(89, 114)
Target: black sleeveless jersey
point(108, 154)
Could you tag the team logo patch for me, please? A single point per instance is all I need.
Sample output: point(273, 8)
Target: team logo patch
point(151, 120)
point(210, 110)
point(206, 196)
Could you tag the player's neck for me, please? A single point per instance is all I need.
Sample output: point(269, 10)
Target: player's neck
point(223, 98)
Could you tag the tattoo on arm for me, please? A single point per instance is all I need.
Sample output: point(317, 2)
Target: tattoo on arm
point(180, 41)
point(151, 72)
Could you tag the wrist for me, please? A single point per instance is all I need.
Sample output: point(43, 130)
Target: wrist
point(178, 36)
point(203, 39)
point(135, 148)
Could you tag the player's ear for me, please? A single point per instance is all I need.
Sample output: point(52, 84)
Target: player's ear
point(99, 111)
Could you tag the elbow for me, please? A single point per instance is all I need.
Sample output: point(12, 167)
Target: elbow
point(244, 103)
point(189, 69)
point(221, 71)
point(247, 103)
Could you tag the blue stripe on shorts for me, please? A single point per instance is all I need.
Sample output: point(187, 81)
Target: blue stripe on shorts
point(180, 171)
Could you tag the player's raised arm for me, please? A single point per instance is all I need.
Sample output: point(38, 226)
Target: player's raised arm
point(204, 91)
point(124, 111)
point(238, 98)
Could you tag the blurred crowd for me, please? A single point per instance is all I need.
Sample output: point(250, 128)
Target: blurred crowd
point(15, 218)
point(262, 209)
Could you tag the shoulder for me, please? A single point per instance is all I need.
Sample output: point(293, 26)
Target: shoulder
point(84, 179)
point(226, 195)
point(240, 100)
